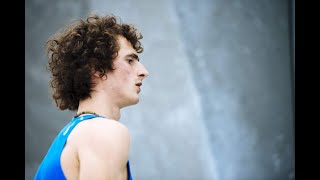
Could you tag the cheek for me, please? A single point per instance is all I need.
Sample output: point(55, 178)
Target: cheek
point(123, 73)
point(123, 76)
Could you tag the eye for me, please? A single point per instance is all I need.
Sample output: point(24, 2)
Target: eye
point(130, 61)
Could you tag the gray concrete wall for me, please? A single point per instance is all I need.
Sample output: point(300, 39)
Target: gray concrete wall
point(239, 51)
point(218, 101)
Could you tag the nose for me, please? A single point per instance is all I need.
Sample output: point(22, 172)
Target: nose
point(143, 72)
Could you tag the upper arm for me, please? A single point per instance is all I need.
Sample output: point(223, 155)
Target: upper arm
point(104, 150)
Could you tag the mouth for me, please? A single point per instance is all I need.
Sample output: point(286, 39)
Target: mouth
point(139, 84)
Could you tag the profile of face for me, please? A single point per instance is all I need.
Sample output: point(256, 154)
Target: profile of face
point(126, 80)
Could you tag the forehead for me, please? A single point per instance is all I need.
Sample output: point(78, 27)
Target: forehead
point(125, 46)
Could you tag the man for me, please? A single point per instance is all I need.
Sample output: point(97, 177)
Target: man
point(95, 72)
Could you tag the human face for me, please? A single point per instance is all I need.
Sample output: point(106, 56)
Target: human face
point(126, 80)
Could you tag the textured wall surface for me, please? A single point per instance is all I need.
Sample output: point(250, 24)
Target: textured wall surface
point(217, 103)
point(241, 66)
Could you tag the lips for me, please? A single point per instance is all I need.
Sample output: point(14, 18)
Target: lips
point(139, 84)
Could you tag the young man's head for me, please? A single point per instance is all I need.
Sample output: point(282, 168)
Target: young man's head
point(122, 85)
point(90, 48)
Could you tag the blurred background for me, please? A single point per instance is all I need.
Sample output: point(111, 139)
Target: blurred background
point(218, 103)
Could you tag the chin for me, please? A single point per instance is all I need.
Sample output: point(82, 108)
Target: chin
point(132, 102)
point(136, 101)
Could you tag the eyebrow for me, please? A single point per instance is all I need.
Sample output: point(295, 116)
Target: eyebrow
point(133, 56)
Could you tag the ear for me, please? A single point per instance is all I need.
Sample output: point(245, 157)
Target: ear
point(98, 75)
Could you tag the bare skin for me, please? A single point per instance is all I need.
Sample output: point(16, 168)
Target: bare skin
point(99, 148)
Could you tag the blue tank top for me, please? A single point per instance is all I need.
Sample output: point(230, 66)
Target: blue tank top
point(50, 167)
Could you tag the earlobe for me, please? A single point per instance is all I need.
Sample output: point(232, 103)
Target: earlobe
point(104, 77)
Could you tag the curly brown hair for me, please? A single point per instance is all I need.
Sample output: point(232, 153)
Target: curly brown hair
point(81, 49)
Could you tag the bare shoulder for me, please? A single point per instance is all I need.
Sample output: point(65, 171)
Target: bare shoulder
point(100, 133)
point(102, 147)
point(101, 128)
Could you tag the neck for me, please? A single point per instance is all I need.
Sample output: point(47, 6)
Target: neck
point(97, 107)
